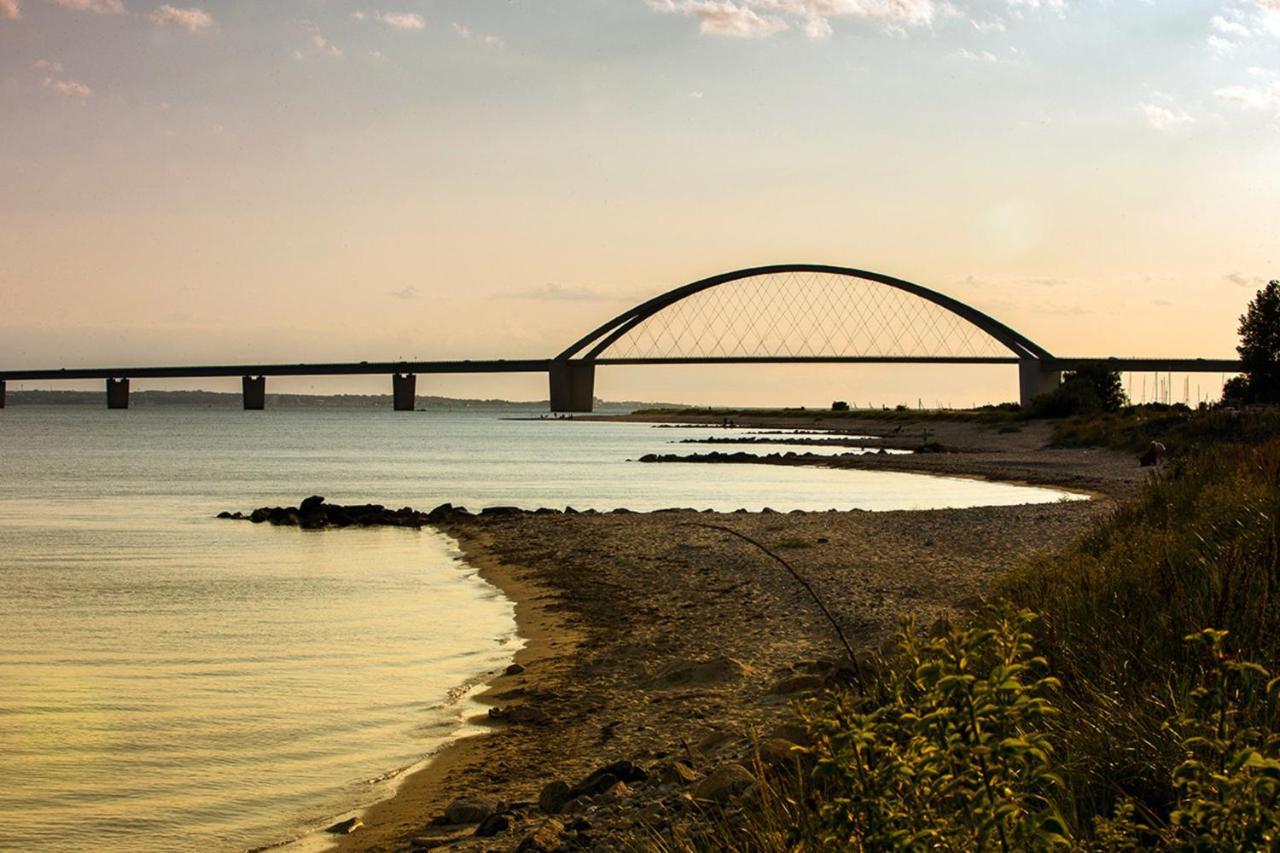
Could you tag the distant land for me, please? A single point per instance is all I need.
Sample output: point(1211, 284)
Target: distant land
point(232, 400)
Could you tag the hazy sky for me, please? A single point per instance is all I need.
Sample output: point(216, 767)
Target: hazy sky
point(334, 179)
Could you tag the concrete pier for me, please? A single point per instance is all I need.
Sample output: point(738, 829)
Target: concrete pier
point(404, 391)
point(1034, 380)
point(117, 393)
point(573, 386)
point(255, 393)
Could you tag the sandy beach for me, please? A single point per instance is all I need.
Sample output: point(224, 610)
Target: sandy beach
point(652, 637)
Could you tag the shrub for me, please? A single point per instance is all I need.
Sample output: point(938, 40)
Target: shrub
point(951, 752)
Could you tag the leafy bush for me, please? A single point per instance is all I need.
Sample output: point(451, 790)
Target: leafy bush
point(951, 752)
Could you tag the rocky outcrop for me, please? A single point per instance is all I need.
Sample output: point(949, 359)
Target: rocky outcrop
point(314, 514)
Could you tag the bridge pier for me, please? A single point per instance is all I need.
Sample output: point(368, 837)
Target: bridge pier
point(118, 393)
point(573, 386)
point(1, 393)
point(1035, 379)
point(255, 393)
point(404, 391)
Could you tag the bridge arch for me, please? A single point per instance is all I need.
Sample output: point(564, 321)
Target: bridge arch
point(799, 313)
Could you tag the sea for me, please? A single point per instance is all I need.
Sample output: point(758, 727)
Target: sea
point(173, 681)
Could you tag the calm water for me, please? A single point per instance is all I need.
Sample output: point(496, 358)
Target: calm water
point(169, 681)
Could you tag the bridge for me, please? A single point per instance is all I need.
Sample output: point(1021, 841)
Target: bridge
point(780, 314)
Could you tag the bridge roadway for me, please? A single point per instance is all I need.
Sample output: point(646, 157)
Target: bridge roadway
point(572, 381)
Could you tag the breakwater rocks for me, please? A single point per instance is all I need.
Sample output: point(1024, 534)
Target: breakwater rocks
point(313, 513)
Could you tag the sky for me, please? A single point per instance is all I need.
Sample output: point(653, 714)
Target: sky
point(326, 180)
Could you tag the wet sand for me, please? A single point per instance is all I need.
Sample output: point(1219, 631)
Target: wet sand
point(652, 637)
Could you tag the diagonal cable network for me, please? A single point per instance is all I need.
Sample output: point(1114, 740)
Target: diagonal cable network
point(811, 314)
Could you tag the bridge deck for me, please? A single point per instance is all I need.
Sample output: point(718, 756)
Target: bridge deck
point(543, 365)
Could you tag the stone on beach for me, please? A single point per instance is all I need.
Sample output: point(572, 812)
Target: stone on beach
point(712, 671)
point(724, 783)
point(468, 810)
point(545, 839)
point(346, 827)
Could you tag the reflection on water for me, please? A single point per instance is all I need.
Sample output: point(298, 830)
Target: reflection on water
point(171, 681)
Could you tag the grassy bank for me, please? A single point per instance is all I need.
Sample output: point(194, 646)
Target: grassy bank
point(1118, 695)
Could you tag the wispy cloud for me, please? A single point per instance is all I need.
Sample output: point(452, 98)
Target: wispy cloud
point(479, 38)
point(68, 88)
point(1231, 28)
point(995, 25)
point(1240, 279)
point(409, 292)
point(318, 45)
point(1164, 118)
point(764, 18)
point(1265, 97)
point(984, 56)
point(191, 19)
point(48, 66)
point(402, 20)
point(11, 9)
point(99, 7)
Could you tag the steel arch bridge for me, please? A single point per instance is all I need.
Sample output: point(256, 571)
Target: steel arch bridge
point(798, 313)
point(786, 313)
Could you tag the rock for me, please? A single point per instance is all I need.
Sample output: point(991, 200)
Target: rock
point(545, 839)
point(604, 778)
point(259, 515)
point(501, 510)
point(724, 783)
point(794, 733)
point(674, 773)
point(553, 797)
point(616, 791)
point(224, 514)
point(776, 751)
point(494, 824)
point(596, 783)
point(468, 810)
point(527, 714)
point(310, 504)
point(684, 673)
point(797, 684)
point(514, 669)
point(346, 827)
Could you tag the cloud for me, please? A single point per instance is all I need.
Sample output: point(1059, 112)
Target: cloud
point(560, 293)
point(191, 19)
point(11, 9)
point(1038, 4)
point(402, 20)
point(1273, 5)
point(479, 38)
point(1219, 45)
point(763, 18)
point(409, 292)
point(1265, 97)
point(995, 25)
point(48, 66)
point(99, 7)
point(1164, 118)
point(1231, 28)
point(1240, 279)
point(969, 56)
point(68, 88)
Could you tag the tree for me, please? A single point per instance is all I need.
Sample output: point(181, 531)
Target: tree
point(1090, 389)
point(1260, 344)
point(1103, 382)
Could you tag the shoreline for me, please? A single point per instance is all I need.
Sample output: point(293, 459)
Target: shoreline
point(508, 762)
